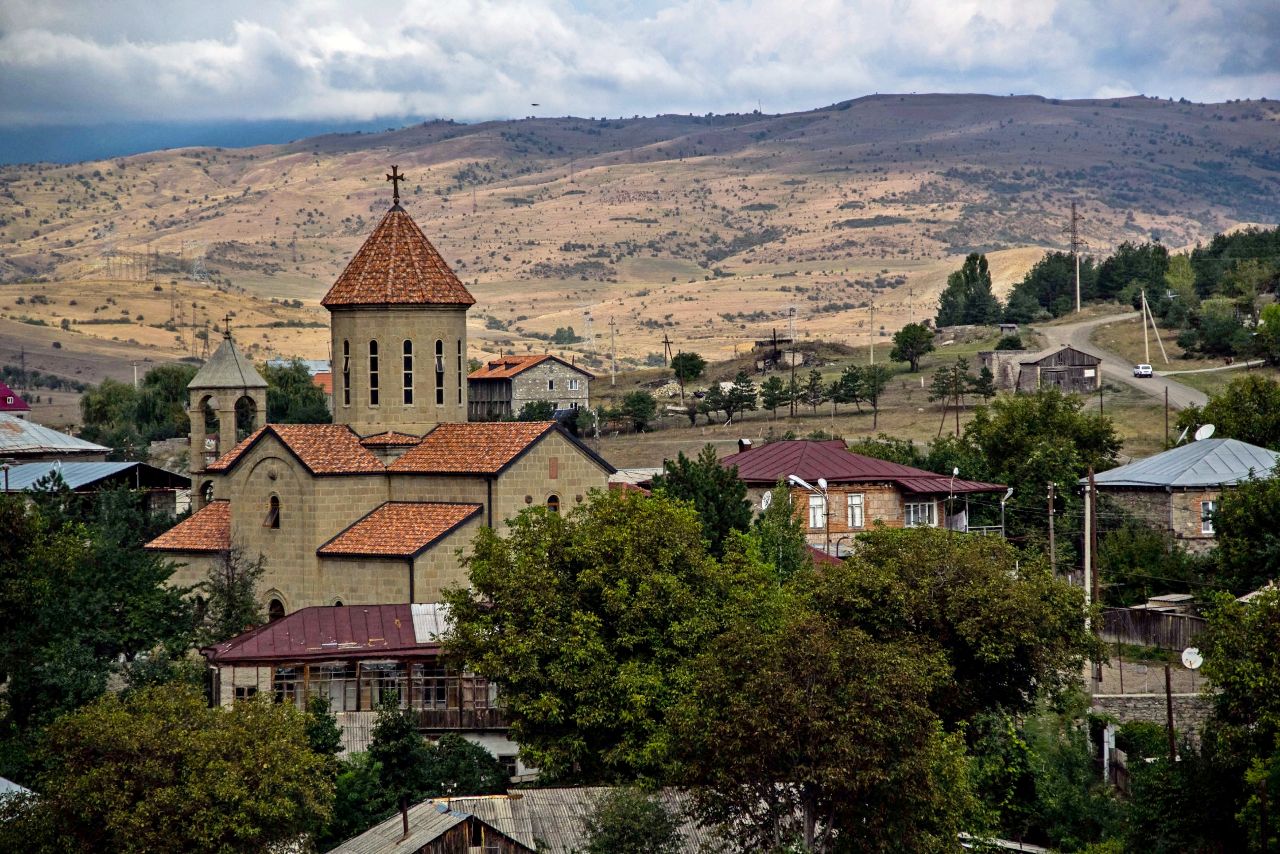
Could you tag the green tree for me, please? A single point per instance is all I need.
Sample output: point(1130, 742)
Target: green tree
point(292, 395)
point(687, 367)
point(849, 387)
point(1248, 409)
point(716, 492)
point(885, 447)
point(795, 393)
point(1136, 562)
point(983, 385)
point(1049, 288)
point(741, 396)
point(1145, 263)
point(875, 378)
point(910, 343)
point(1009, 342)
point(455, 766)
point(159, 770)
point(1245, 523)
point(401, 753)
point(641, 407)
point(536, 410)
point(323, 733)
point(815, 392)
point(359, 802)
point(779, 533)
point(773, 393)
point(967, 298)
point(629, 821)
point(585, 620)
point(1266, 341)
point(231, 596)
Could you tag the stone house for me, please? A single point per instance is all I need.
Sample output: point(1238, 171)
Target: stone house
point(354, 656)
point(377, 506)
point(502, 386)
point(1177, 491)
point(1067, 368)
point(860, 491)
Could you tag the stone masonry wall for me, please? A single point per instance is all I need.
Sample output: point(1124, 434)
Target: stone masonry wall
point(533, 384)
point(1190, 711)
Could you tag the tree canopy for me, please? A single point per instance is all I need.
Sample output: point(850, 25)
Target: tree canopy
point(716, 492)
point(910, 343)
point(967, 298)
point(1248, 409)
point(292, 395)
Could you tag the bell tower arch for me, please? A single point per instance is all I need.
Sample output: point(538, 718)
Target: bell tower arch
point(229, 391)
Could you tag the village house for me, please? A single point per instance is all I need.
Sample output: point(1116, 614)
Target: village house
point(841, 494)
point(1177, 491)
point(1065, 368)
point(165, 490)
point(377, 506)
point(501, 387)
point(354, 656)
point(11, 403)
point(24, 441)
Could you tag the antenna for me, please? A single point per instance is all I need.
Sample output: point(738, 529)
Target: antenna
point(1183, 436)
point(1191, 658)
point(1205, 432)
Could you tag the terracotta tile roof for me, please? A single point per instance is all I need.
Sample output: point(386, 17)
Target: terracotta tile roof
point(397, 265)
point(472, 447)
point(323, 379)
point(390, 439)
point(322, 448)
point(401, 529)
point(505, 367)
point(206, 530)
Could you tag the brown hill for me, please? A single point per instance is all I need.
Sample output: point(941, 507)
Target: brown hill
point(708, 229)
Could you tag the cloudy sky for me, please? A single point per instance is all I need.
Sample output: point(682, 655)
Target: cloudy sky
point(65, 62)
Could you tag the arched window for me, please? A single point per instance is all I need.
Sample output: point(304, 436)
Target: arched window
point(346, 373)
point(408, 373)
point(373, 373)
point(275, 610)
point(337, 603)
point(273, 513)
point(553, 503)
point(206, 491)
point(439, 372)
point(461, 383)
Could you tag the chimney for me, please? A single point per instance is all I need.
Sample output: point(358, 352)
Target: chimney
point(744, 445)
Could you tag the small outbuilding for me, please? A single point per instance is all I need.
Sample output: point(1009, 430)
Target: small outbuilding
point(25, 442)
point(1066, 368)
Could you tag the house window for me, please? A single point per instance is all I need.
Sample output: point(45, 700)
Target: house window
point(855, 510)
point(1206, 516)
point(407, 368)
point(508, 763)
point(461, 385)
point(573, 385)
point(817, 511)
point(273, 513)
point(919, 514)
point(439, 372)
point(373, 373)
point(246, 692)
point(553, 503)
point(551, 385)
point(346, 373)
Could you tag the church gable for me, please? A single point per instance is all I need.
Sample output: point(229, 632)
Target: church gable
point(323, 449)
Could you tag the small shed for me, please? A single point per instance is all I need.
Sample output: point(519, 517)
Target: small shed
point(1068, 369)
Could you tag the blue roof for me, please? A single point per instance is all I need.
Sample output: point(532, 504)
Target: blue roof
point(1208, 462)
point(78, 475)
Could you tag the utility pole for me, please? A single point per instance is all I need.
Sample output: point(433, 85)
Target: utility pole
point(1147, 316)
point(1073, 233)
point(666, 349)
point(135, 375)
point(1095, 582)
point(1166, 417)
point(791, 315)
point(1146, 339)
point(1053, 554)
point(613, 353)
point(872, 323)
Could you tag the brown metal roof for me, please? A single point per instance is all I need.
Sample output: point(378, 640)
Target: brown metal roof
point(831, 459)
point(326, 632)
point(399, 529)
point(206, 530)
point(397, 265)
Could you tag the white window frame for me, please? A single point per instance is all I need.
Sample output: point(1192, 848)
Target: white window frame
point(573, 385)
point(817, 512)
point(1206, 516)
point(912, 512)
point(856, 505)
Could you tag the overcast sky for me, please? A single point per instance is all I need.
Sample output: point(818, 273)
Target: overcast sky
point(177, 60)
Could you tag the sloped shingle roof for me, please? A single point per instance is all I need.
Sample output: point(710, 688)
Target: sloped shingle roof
point(227, 368)
point(505, 367)
point(399, 529)
point(390, 439)
point(206, 530)
point(397, 265)
point(1209, 462)
point(831, 459)
point(471, 447)
point(322, 448)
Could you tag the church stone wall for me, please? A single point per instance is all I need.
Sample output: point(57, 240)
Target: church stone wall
point(391, 326)
point(555, 466)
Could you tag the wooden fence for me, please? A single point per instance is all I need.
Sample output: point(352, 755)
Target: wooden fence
point(1150, 628)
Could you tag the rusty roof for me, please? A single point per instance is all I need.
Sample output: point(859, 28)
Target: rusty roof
point(399, 529)
point(832, 460)
point(322, 448)
point(390, 439)
point(397, 265)
point(323, 380)
point(506, 367)
point(206, 530)
point(327, 632)
point(471, 447)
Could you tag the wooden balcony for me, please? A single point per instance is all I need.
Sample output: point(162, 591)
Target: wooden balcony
point(448, 720)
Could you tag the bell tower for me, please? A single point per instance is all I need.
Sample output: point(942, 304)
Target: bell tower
point(398, 317)
point(229, 386)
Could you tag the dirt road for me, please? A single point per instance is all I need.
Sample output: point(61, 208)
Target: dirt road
point(1118, 369)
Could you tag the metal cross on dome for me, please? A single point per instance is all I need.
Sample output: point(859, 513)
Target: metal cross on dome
point(395, 178)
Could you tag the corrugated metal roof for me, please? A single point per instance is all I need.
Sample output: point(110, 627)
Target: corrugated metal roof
point(832, 460)
point(1209, 462)
point(429, 621)
point(227, 368)
point(78, 475)
point(327, 632)
point(8, 787)
point(426, 823)
point(18, 436)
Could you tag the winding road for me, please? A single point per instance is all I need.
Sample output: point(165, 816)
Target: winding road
point(1118, 369)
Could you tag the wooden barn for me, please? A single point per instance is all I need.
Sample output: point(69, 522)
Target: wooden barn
point(1066, 368)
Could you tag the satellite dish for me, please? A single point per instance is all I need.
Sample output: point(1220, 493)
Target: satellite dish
point(1182, 437)
point(1191, 658)
point(766, 500)
point(1205, 432)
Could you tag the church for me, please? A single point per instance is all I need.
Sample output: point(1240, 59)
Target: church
point(377, 506)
